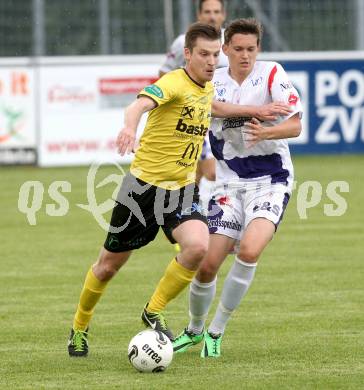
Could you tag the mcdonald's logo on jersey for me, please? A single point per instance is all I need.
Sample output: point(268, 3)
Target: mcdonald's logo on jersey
point(191, 152)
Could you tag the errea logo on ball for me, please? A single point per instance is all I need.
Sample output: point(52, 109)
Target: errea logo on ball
point(150, 352)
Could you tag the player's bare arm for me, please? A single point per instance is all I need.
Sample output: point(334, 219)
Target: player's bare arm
point(267, 112)
point(289, 128)
point(125, 141)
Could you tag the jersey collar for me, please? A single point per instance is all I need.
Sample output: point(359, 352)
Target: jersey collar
point(195, 82)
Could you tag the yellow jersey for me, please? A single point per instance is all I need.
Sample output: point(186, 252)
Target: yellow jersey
point(175, 130)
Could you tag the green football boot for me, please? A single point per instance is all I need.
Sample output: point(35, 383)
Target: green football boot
point(77, 343)
point(211, 346)
point(186, 340)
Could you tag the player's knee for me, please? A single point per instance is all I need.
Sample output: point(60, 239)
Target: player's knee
point(198, 250)
point(108, 271)
point(104, 271)
point(248, 253)
point(106, 267)
point(207, 272)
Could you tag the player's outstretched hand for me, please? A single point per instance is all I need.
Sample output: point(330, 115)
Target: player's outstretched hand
point(270, 112)
point(126, 141)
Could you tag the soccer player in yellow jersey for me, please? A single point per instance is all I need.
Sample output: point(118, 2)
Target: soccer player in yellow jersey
point(160, 189)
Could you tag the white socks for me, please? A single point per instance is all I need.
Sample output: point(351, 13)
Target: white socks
point(235, 287)
point(201, 297)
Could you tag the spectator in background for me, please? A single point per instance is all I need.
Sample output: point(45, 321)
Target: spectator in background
point(211, 12)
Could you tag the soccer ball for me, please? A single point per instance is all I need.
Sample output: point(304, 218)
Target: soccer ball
point(150, 351)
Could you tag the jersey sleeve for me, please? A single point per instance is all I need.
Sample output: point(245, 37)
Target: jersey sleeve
point(162, 91)
point(174, 58)
point(281, 89)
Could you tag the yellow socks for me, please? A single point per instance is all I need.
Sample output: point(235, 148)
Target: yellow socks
point(90, 294)
point(174, 280)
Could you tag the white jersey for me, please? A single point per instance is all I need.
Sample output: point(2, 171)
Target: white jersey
point(175, 56)
point(268, 160)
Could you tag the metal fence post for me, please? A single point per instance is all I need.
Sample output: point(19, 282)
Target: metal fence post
point(273, 30)
point(359, 10)
point(185, 15)
point(274, 17)
point(104, 22)
point(38, 28)
point(168, 21)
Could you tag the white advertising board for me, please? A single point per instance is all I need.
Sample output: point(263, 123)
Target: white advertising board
point(82, 108)
point(61, 111)
point(17, 115)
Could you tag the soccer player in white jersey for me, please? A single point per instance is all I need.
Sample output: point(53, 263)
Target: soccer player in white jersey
point(253, 184)
point(211, 12)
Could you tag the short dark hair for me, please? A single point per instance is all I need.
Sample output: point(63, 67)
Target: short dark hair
point(244, 26)
point(200, 30)
point(200, 4)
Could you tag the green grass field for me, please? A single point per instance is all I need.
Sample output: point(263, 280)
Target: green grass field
point(300, 327)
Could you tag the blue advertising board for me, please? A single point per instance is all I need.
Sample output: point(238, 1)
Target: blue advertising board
point(332, 94)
